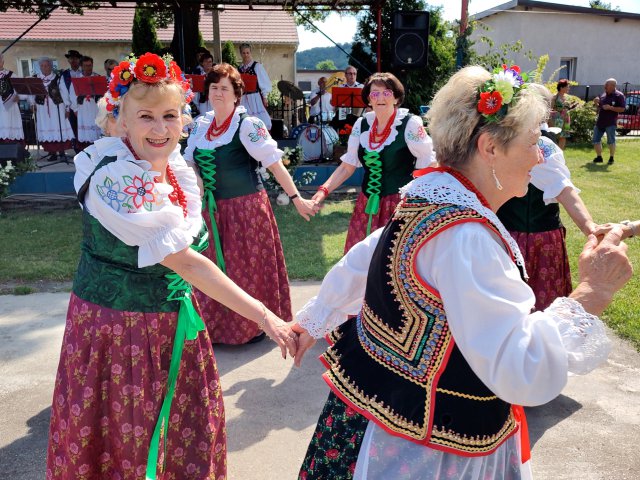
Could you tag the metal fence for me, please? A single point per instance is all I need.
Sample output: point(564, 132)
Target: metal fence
point(589, 92)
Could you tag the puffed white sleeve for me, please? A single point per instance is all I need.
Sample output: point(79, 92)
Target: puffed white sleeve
point(351, 157)
point(124, 198)
point(263, 79)
point(342, 290)
point(522, 357)
point(419, 142)
point(256, 139)
point(552, 176)
point(196, 133)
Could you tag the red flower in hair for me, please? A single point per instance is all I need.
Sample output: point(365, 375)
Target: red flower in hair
point(490, 102)
point(515, 68)
point(150, 68)
point(122, 74)
point(174, 71)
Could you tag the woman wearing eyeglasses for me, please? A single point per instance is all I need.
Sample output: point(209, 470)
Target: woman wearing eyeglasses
point(389, 143)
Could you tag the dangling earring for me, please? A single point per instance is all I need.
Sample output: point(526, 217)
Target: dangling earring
point(495, 178)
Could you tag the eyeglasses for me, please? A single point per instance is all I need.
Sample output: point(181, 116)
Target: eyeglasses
point(375, 94)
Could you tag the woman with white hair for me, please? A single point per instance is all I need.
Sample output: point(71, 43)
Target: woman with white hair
point(53, 127)
point(429, 380)
point(10, 119)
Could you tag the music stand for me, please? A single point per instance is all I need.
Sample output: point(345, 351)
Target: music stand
point(30, 86)
point(347, 97)
point(89, 86)
point(197, 82)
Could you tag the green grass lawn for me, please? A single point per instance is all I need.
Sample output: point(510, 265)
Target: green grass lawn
point(45, 245)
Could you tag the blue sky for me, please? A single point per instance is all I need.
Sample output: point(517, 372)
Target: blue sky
point(342, 29)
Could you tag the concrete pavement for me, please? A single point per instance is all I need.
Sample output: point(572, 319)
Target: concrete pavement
point(591, 431)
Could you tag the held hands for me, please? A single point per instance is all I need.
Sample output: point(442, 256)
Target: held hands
point(281, 332)
point(601, 230)
point(305, 342)
point(604, 268)
point(306, 208)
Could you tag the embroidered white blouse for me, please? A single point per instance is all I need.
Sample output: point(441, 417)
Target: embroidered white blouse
point(418, 141)
point(124, 198)
point(552, 176)
point(522, 357)
point(253, 134)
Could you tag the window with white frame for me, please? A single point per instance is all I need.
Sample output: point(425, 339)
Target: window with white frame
point(27, 67)
point(570, 65)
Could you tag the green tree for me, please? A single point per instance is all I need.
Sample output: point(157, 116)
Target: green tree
point(420, 84)
point(229, 53)
point(326, 65)
point(144, 37)
point(600, 5)
point(496, 55)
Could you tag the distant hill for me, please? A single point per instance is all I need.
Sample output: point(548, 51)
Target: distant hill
point(308, 59)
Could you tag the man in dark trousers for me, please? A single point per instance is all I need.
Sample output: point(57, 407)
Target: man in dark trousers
point(610, 103)
point(74, 71)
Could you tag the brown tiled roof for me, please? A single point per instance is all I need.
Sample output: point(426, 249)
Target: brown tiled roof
point(114, 25)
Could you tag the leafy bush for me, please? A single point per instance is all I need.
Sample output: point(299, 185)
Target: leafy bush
point(583, 119)
point(10, 172)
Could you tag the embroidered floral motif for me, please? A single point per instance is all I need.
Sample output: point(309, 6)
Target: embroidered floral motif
point(417, 136)
point(111, 193)
point(547, 149)
point(140, 190)
point(260, 131)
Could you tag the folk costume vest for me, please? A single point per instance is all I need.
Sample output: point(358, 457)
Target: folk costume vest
point(529, 214)
point(6, 90)
point(250, 78)
point(397, 362)
point(54, 92)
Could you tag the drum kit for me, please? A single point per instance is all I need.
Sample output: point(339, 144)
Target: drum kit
point(316, 140)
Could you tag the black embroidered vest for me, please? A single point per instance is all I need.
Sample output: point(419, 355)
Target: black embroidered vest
point(54, 92)
point(398, 363)
point(5, 86)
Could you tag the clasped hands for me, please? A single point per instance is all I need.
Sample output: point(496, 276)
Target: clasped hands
point(291, 338)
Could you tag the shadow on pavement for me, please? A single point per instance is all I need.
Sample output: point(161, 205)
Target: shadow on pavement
point(542, 418)
point(24, 459)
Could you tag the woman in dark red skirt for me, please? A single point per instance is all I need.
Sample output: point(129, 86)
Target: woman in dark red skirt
point(226, 149)
point(534, 222)
point(390, 144)
point(137, 393)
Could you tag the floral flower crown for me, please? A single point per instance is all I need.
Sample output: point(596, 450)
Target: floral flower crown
point(497, 93)
point(149, 68)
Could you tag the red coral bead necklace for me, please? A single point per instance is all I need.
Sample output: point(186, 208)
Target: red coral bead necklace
point(376, 140)
point(215, 131)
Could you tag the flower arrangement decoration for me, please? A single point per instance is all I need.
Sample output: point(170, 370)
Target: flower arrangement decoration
point(500, 91)
point(344, 133)
point(149, 68)
point(9, 172)
point(291, 160)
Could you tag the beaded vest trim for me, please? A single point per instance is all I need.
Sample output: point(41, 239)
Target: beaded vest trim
point(401, 342)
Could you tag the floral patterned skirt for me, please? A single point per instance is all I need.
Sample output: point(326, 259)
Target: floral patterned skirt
point(254, 261)
point(333, 451)
point(109, 388)
point(359, 220)
point(547, 263)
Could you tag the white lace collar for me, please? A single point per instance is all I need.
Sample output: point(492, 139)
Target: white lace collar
point(440, 187)
point(370, 117)
point(227, 136)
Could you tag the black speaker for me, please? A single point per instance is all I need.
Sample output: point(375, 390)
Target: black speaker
point(277, 128)
point(410, 39)
point(13, 152)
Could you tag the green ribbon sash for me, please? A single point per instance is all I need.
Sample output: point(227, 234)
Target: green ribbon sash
point(374, 185)
point(188, 326)
point(207, 165)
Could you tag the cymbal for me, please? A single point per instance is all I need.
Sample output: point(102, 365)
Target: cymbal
point(288, 89)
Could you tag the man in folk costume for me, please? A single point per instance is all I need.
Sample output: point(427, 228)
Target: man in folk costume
point(10, 119)
point(53, 127)
point(86, 109)
point(256, 86)
point(74, 58)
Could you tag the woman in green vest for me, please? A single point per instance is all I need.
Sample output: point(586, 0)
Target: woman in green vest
point(226, 148)
point(133, 341)
point(389, 143)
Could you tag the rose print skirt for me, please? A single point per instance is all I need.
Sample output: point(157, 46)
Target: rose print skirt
point(547, 263)
point(334, 447)
point(254, 261)
point(109, 388)
point(359, 220)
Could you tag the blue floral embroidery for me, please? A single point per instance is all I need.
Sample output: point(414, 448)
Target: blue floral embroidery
point(111, 194)
point(260, 131)
point(547, 149)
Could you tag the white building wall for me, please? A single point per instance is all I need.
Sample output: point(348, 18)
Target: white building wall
point(602, 46)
